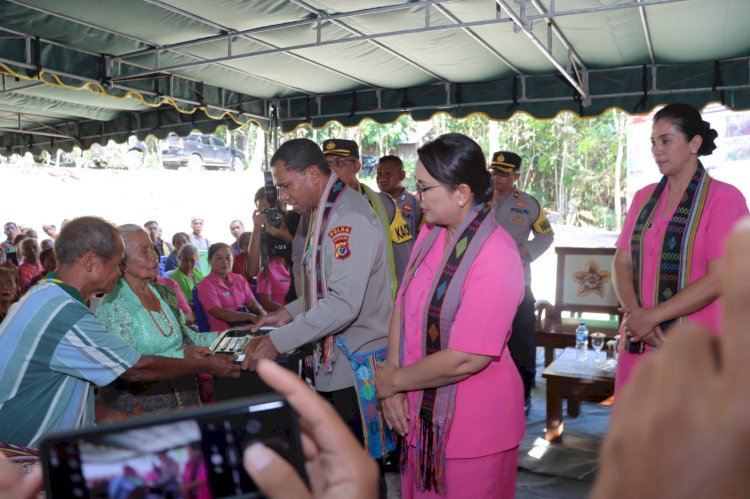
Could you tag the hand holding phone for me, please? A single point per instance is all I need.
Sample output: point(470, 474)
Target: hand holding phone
point(195, 451)
point(332, 449)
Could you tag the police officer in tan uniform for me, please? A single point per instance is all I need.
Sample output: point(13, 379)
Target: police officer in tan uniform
point(348, 297)
point(520, 215)
point(343, 158)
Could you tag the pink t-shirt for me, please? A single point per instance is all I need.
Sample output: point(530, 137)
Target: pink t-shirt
point(26, 272)
point(488, 415)
point(724, 206)
point(278, 282)
point(213, 293)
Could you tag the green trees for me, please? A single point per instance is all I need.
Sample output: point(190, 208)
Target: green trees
point(573, 165)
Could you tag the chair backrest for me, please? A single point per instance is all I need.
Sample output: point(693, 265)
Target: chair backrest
point(201, 319)
point(584, 280)
point(162, 266)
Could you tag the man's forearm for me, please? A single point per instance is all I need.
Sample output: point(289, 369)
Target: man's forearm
point(154, 368)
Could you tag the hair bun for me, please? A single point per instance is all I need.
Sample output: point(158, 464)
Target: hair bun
point(709, 136)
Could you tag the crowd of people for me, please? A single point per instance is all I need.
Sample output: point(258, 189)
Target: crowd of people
point(416, 309)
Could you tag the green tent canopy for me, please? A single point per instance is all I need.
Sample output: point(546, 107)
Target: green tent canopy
point(78, 72)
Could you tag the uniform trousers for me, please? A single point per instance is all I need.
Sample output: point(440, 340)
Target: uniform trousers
point(522, 343)
point(347, 406)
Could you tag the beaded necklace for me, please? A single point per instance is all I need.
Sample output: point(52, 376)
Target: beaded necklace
point(164, 316)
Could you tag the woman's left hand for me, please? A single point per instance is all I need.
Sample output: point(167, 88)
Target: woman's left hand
point(384, 381)
point(638, 322)
point(195, 352)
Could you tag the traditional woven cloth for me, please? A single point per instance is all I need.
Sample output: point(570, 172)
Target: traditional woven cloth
point(379, 440)
point(676, 249)
point(324, 355)
point(436, 405)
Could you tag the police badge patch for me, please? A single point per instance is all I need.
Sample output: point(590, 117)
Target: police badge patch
point(340, 237)
point(341, 248)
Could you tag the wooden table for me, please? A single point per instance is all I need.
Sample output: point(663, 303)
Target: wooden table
point(575, 380)
point(553, 332)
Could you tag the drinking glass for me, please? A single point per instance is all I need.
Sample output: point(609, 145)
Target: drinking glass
point(597, 343)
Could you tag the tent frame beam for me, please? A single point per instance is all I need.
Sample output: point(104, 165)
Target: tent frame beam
point(654, 90)
point(426, 27)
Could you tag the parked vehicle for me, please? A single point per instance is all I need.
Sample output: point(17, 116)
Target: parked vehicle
point(197, 151)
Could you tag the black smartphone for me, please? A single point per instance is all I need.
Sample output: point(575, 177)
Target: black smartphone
point(11, 255)
point(195, 453)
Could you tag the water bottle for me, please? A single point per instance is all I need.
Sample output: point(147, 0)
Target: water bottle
point(582, 341)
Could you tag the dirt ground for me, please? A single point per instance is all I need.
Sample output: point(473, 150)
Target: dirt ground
point(33, 196)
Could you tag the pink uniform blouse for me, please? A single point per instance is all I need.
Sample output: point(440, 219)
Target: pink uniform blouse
point(213, 293)
point(488, 415)
point(277, 283)
point(724, 206)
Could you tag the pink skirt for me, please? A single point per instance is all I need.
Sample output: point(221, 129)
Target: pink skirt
point(486, 477)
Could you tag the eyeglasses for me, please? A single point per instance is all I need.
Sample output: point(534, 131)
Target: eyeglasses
point(500, 173)
point(421, 190)
point(339, 161)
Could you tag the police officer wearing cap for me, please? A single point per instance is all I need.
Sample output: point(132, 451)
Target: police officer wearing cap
point(521, 215)
point(343, 158)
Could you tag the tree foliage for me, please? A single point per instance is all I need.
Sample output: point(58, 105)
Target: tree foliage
point(570, 164)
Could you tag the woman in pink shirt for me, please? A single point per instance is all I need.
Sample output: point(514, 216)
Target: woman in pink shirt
point(450, 387)
point(226, 297)
point(672, 244)
point(31, 266)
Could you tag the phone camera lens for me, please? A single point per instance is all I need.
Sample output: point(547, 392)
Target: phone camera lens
point(253, 426)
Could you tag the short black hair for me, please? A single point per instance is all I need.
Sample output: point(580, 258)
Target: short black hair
point(454, 159)
point(299, 154)
point(216, 247)
point(395, 159)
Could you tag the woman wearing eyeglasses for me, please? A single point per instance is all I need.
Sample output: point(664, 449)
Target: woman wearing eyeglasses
point(450, 387)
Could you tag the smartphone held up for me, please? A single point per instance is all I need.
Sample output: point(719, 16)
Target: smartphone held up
point(192, 454)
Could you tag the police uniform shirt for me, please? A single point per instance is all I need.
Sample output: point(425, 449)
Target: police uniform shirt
point(356, 302)
point(401, 237)
point(411, 211)
point(520, 215)
point(298, 248)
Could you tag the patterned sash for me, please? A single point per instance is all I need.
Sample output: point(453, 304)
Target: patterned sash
point(314, 265)
point(436, 404)
point(677, 245)
point(379, 439)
